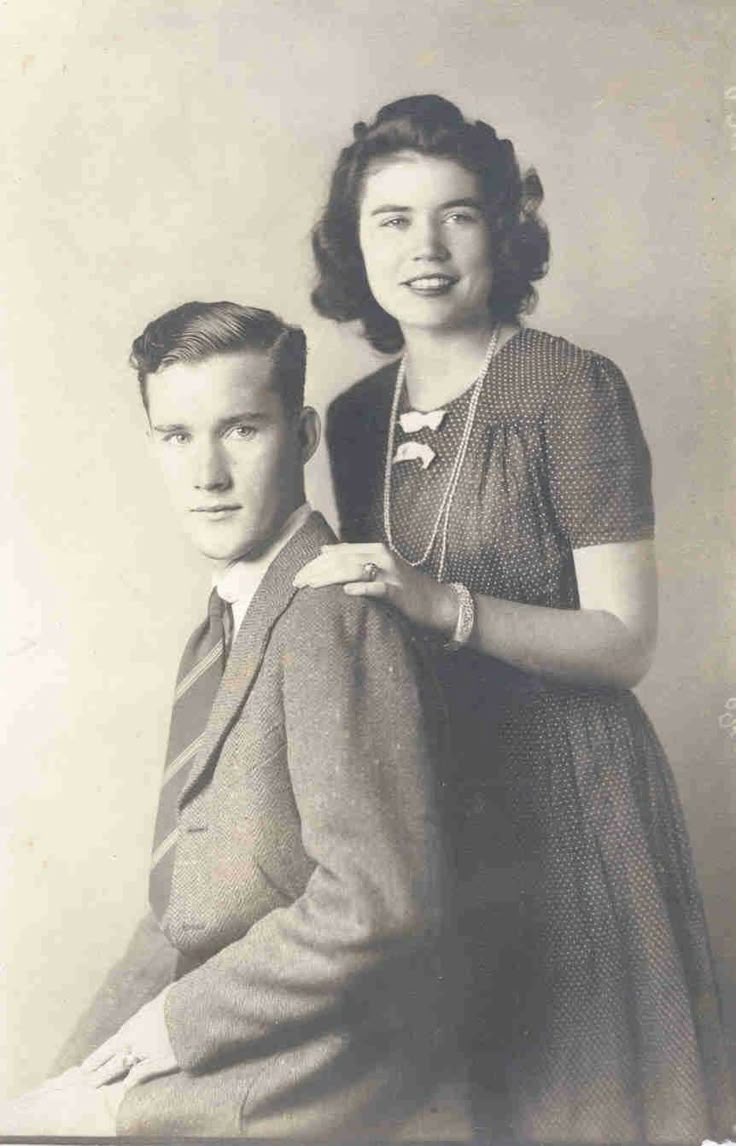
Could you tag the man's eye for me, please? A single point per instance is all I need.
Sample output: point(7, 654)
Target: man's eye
point(241, 432)
point(176, 438)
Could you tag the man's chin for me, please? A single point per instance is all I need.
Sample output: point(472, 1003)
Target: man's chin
point(222, 550)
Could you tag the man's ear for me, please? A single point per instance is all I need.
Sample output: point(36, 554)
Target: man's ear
point(310, 431)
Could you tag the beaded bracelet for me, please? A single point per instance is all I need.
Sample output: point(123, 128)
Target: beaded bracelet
point(465, 618)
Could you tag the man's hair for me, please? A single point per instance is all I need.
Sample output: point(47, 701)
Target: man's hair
point(199, 330)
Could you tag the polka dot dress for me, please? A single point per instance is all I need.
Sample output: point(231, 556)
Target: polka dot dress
point(592, 1012)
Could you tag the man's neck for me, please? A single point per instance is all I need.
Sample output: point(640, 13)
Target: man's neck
point(238, 581)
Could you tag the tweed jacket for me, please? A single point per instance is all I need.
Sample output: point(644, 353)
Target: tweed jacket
point(309, 903)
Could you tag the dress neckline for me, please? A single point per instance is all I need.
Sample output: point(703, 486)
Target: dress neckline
point(405, 404)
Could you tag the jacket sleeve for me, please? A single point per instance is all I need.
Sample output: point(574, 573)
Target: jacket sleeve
point(361, 755)
point(147, 966)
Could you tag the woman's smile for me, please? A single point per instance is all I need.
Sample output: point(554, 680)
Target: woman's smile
point(431, 284)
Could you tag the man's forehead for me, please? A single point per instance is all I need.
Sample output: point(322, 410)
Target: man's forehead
point(220, 378)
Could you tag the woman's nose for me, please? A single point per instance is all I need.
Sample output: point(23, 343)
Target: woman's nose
point(211, 468)
point(429, 240)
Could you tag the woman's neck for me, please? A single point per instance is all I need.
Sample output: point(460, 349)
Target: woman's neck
point(442, 365)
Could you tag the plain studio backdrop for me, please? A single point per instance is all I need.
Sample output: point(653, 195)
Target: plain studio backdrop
point(164, 150)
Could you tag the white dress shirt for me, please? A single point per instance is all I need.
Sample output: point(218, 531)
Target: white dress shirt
point(237, 584)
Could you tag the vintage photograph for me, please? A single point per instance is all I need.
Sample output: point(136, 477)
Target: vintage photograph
point(369, 693)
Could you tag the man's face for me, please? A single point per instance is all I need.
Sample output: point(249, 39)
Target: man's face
point(231, 456)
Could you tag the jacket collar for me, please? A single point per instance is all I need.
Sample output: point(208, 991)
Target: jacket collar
point(271, 599)
point(238, 583)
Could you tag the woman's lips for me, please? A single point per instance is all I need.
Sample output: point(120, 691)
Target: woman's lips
point(431, 284)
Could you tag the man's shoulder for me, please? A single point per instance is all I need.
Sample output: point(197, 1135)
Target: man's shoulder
point(350, 654)
point(331, 606)
point(329, 618)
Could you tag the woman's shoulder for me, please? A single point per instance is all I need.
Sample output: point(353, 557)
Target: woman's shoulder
point(367, 399)
point(551, 366)
point(559, 355)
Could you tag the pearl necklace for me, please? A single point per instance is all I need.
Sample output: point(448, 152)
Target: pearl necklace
point(443, 517)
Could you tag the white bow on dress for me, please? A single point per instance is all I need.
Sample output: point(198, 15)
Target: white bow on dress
point(414, 420)
point(408, 451)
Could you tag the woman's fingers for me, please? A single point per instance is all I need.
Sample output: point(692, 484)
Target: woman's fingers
point(318, 574)
point(375, 571)
point(379, 589)
point(371, 549)
point(341, 564)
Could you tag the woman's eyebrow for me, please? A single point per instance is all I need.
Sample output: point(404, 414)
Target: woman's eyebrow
point(388, 207)
point(469, 202)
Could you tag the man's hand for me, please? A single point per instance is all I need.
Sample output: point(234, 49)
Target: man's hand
point(141, 1049)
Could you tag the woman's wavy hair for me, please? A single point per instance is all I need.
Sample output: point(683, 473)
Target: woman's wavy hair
point(429, 125)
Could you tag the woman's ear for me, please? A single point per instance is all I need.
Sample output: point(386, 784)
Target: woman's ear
point(310, 431)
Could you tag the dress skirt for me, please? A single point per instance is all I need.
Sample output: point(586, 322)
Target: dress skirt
point(592, 1012)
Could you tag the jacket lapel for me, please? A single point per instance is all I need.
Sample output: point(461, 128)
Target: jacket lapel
point(271, 599)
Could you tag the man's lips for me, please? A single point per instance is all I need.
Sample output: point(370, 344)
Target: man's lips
point(213, 508)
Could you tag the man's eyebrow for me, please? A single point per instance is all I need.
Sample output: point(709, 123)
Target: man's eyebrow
point(389, 207)
point(174, 427)
point(222, 424)
point(245, 416)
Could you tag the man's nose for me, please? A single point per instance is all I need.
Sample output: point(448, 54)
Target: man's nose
point(211, 468)
point(429, 240)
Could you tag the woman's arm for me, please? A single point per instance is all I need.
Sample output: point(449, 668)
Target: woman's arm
point(608, 642)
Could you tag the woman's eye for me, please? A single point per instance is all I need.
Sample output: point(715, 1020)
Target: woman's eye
point(461, 217)
point(176, 438)
point(395, 221)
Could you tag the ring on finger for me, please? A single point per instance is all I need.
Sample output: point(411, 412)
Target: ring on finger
point(370, 571)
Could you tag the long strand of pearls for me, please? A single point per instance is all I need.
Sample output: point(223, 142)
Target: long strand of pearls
point(443, 517)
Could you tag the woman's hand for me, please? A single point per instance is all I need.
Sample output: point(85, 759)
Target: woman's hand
point(372, 570)
point(607, 642)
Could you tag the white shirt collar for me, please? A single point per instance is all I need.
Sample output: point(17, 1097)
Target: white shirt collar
point(238, 583)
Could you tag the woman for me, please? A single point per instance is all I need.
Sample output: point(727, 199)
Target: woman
point(494, 486)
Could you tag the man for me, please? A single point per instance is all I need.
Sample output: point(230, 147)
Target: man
point(289, 981)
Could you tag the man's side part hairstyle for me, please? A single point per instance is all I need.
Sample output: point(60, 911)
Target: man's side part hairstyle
point(196, 331)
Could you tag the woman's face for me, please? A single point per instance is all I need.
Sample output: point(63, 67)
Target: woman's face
point(425, 241)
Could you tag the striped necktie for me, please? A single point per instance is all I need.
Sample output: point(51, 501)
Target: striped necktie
point(200, 672)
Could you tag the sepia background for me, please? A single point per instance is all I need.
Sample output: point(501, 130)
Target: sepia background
point(163, 150)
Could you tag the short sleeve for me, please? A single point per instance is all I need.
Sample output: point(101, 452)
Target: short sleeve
point(598, 461)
